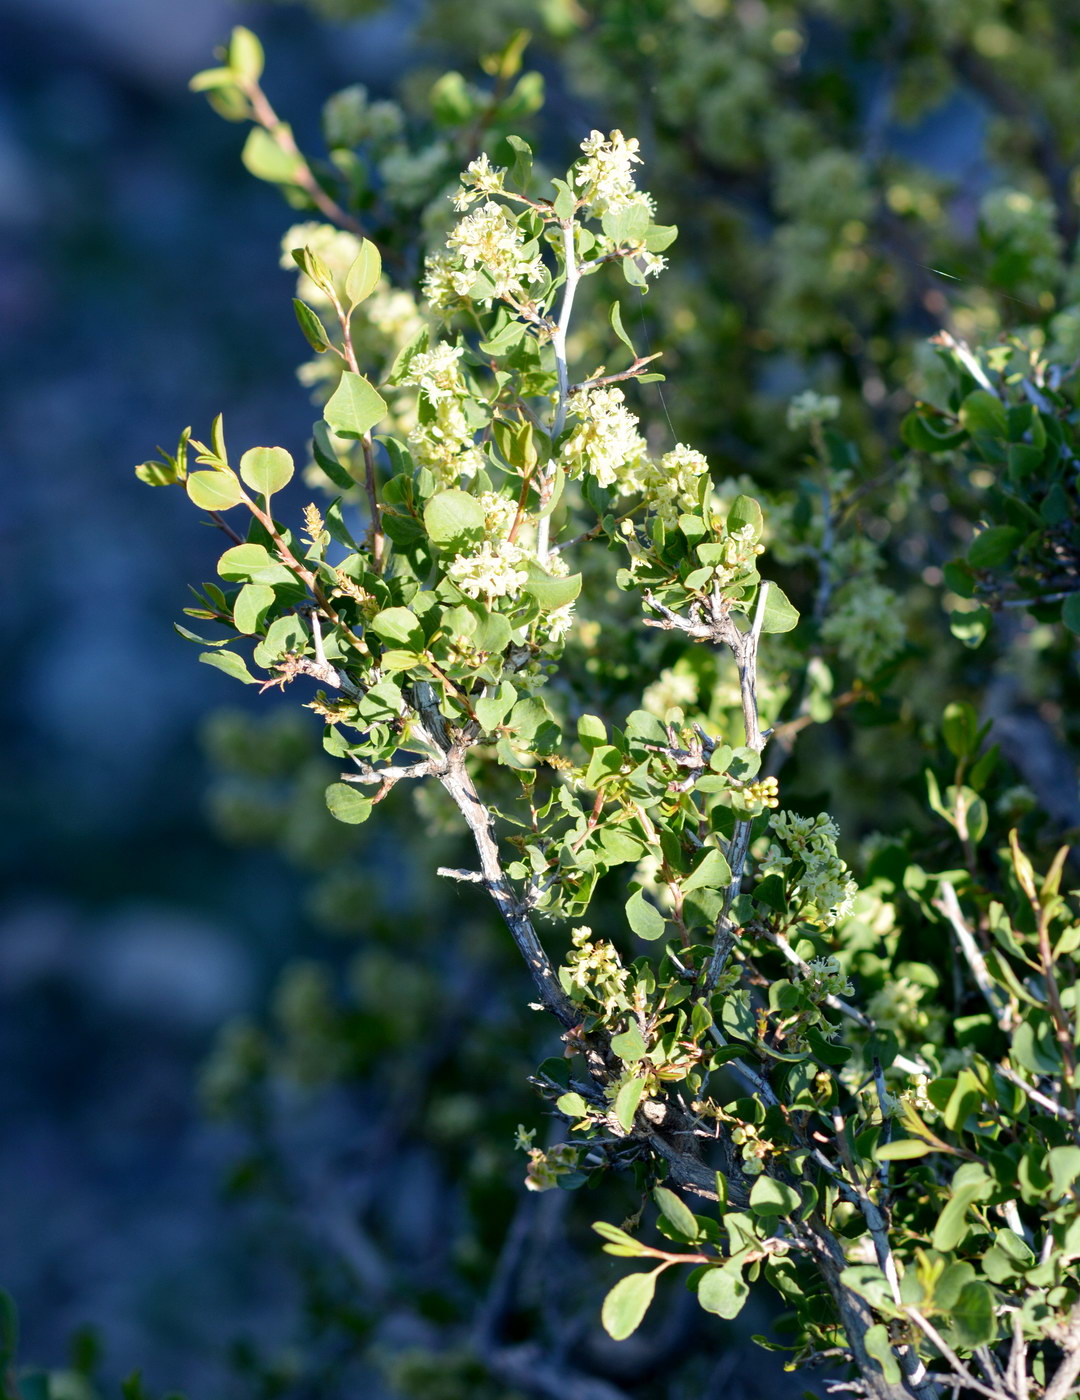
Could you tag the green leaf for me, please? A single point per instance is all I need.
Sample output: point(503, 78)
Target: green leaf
point(627, 1304)
point(251, 606)
point(591, 732)
point(971, 628)
point(348, 804)
point(266, 160)
point(324, 454)
point(902, 1150)
point(618, 1241)
point(572, 1105)
point(711, 872)
point(266, 469)
point(363, 276)
point(780, 614)
point(313, 328)
point(951, 1224)
point(771, 1197)
point(868, 1281)
point(972, 1315)
point(1070, 612)
point(354, 407)
point(960, 726)
point(644, 918)
point(214, 490)
point(451, 515)
point(245, 56)
point(626, 1102)
point(398, 625)
point(231, 664)
point(1064, 1165)
point(982, 412)
point(745, 511)
point(617, 327)
point(993, 546)
point(552, 593)
point(877, 1345)
point(630, 1045)
point(491, 710)
point(723, 1291)
point(676, 1212)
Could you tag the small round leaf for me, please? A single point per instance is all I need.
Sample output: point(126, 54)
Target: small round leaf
point(266, 469)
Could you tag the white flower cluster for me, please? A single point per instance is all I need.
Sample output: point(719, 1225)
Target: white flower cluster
point(741, 549)
point(808, 856)
point(496, 570)
point(823, 978)
point(479, 178)
point(444, 443)
point(865, 625)
point(605, 178)
point(808, 407)
point(596, 970)
point(672, 486)
point(487, 240)
point(605, 442)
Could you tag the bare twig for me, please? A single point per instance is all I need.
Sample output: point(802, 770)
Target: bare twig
point(949, 905)
point(558, 343)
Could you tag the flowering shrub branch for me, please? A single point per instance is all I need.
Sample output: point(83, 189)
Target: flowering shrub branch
point(712, 1059)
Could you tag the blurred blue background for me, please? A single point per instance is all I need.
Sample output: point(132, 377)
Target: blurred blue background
point(139, 292)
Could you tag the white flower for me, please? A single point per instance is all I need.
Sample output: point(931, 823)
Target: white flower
point(480, 177)
point(672, 487)
point(606, 442)
point(436, 372)
point(606, 177)
point(559, 621)
point(822, 889)
point(490, 240)
point(809, 408)
point(494, 571)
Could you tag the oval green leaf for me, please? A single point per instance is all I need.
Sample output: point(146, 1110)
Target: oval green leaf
point(251, 606)
point(676, 1212)
point(363, 276)
point(214, 490)
point(627, 1304)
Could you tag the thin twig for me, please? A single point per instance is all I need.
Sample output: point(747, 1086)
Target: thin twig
point(949, 905)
